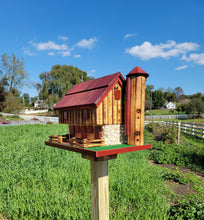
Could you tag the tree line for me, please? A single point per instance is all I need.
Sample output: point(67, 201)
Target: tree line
point(53, 86)
point(189, 104)
point(56, 82)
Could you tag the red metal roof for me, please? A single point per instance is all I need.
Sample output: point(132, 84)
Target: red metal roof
point(89, 93)
point(138, 72)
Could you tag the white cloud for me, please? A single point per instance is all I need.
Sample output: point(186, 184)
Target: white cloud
point(51, 53)
point(166, 50)
point(26, 51)
point(50, 45)
point(196, 58)
point(129, 35)
point(87, 43)
point(65, 53)
point(93, 71)
point(77, 55)
point(181, 67)
point(63, 38)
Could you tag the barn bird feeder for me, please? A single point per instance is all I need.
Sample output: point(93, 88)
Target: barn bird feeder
point(105, 117)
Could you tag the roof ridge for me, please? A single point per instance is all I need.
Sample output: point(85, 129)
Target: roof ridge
point(86, 90)
point(83, 85)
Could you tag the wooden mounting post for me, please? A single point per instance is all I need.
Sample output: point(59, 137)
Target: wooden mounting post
point(99, 190)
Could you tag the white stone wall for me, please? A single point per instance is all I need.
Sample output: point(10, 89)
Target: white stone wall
point(114, 134)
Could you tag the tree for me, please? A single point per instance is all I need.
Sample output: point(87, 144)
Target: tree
point(33, 99)
point(195, 106)
point(3, 92)
point(179, 93)
point(58, 81)
point(26, 99)
point(12, 68)
point(158, 99)
point(197, 95)
point(12, 103)
point(148, 94)
point(169, 95)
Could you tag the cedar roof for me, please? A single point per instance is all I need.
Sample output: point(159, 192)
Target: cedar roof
point(89, 93)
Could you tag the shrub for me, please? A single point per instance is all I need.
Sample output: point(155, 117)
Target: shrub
point(49, 123)
point(167, 134)
point(187, 210)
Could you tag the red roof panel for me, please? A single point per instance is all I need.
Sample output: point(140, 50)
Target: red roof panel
point(94, 83)
point(89, 93)
point(138, 71)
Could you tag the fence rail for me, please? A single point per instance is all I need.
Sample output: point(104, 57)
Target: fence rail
point(181, 116)
point(192, 129)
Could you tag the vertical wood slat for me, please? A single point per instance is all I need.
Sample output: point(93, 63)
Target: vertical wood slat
point(71, 118)
point(105, 115)
point(142, 110)
point(132, 112)
point(59, 117)
point(80, 116)
point(138, 111)
point(68, 117)
point(119, 107)
point(77, 116)
point(110, 107)
point(94, 116)
point(90, 132)
point(127, 106)
point(83, 132)
point(114, 104)
point(99, 114)
point(90, 117)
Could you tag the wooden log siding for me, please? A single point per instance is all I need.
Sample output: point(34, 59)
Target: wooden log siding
point(110, 109)
point(108, 112)
point(137, 100)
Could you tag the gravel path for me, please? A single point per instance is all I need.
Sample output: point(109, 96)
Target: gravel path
point(23, 122)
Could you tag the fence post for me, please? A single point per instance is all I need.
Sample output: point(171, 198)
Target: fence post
point(193, 129)
point(203, 132)
point(179, 132)
point(185, 128)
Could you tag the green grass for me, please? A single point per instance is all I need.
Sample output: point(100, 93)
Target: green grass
point(162, 112)
point(42, 182)
point(12, 117)
point(190, 153)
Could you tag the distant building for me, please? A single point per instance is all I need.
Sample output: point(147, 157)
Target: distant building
point(40, 104)
point(170, 106)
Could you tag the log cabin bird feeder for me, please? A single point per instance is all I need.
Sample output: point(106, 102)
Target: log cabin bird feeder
point(105, 117)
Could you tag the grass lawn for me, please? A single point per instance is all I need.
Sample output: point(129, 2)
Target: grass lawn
point(41, 182)
point(162, 112)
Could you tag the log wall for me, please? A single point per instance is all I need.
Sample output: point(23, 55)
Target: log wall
point(137, 103)
point(108, 112)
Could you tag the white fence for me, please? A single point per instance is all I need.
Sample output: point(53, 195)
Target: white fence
point(182, 116)
point(192, 129)
point(33, 111)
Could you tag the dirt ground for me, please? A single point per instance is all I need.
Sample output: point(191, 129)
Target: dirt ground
point(179, 189)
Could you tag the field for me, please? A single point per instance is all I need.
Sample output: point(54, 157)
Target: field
point(41, 182)
point(162, 112)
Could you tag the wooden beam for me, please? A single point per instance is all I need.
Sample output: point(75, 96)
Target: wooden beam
point(99, 190)
point(105, 115)
point(110, 107)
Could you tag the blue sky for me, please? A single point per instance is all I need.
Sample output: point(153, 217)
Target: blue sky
point(165, 38)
